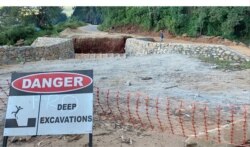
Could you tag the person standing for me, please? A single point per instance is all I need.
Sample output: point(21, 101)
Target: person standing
point(161, 35)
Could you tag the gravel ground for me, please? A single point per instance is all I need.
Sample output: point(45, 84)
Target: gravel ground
point(171, 75)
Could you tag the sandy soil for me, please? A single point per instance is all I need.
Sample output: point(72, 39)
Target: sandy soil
point(106, 135)
point(241, 49)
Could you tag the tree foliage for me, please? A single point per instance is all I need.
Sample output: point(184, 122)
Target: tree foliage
point(91, 15)
point(39, 16)
point(28, 23)
point(229, 22)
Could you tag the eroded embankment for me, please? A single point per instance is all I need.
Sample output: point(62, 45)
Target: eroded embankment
point(99, 45)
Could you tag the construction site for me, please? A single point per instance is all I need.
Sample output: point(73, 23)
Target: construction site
point(146, 92)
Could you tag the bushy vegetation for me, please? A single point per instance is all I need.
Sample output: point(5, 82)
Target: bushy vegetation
point(10, 35)
point(70, 23)
point(93, 15)
point(228, 22)
point(225, 64)
point(29, 22)
point(38, 21)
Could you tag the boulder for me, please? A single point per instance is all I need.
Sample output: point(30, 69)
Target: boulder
point(19, 42)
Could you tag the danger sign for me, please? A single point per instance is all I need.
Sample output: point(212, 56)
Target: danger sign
point(50, 103)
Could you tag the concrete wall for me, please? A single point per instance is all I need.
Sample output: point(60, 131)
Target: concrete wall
point(135, 46)
point(43, 48)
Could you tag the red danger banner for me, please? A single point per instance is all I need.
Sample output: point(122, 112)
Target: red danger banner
point(54, 82)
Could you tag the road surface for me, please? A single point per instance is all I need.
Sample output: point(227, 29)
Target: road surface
point(90, 28)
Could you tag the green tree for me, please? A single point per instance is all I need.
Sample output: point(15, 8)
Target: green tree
point(10, 16)
point(40, 16)
point(91, 15)
point(22, 22)
point(229, 22)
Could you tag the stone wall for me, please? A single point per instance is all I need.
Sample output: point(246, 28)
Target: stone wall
point(99, 56)
point(135, 46)
point(43, 48)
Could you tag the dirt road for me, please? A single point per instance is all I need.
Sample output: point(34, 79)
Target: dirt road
point(89, 28)
point(93, 29)
point(135, 31)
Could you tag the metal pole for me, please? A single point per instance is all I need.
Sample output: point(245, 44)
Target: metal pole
point(90, 140)
point(5, 141)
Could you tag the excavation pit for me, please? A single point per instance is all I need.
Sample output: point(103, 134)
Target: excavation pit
point(99, 45)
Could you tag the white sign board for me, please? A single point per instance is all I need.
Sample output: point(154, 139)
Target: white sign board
point(37, 108)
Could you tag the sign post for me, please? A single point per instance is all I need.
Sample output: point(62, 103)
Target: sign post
point(90, 140)
point(50, 103)
point(5, 141)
